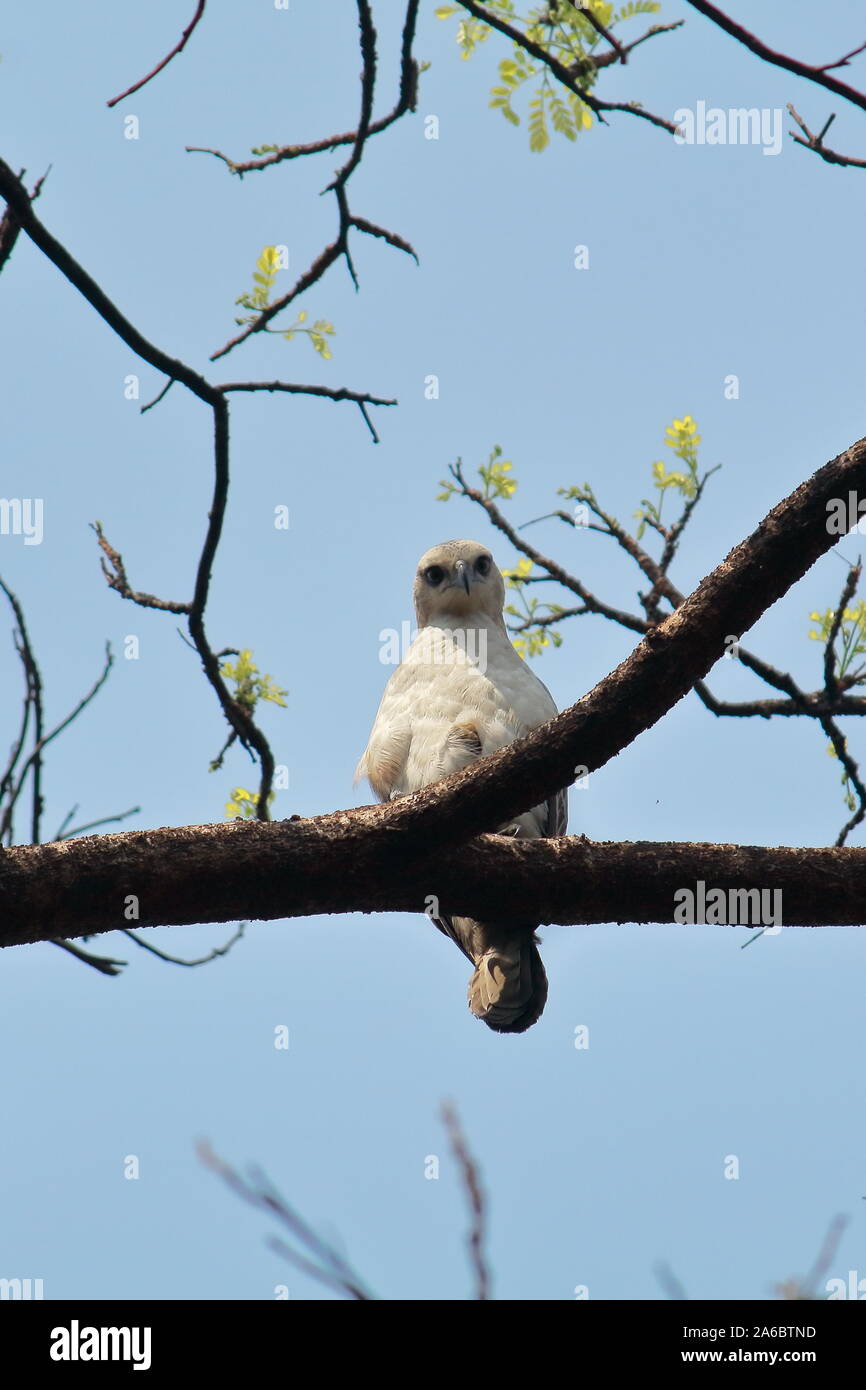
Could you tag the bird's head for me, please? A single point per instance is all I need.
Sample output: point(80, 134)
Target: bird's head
point(457, 579)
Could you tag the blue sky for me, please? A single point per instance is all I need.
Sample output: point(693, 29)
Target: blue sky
point(704, 261)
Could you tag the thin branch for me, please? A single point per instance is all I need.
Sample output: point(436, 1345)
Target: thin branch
point(18, 199)
point(21, 646)
point(810, 71)
point(589, 13)
point(237, 716)
point(406, 102)
point(104, 964)
point(156, 400)
point(475, 1198)
point(668, 1280)
point(359, 398)
point(551, 567)
point(679, 526)
point(811, 704)
point(64, 834)
point(117, 580)
point(831, 683)
point(816, 143)
point(311, 275)
point(179, 960)
point(564, 74)
point(178, 48)
point(33, 764)
point(322, 1261)
point(339, 248)
point(367, 39)
point(34, 758)
point(603, 60)
point(550, 619)
point(372, 229)
point(845, 60)
point(802, 1289)
point(840, 748)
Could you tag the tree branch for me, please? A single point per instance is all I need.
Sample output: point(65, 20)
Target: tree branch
point(474, 1197)
point(385, 858)
point(346, 219)
point(311, 1254)
point(359, 398)
point(810, 71)
point(564, 74)
point(406, 102)
point(816, 143)
point(178, 48)
point(352, 861)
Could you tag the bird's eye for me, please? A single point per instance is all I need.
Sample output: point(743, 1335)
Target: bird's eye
point(482, 564)
point(434, 575)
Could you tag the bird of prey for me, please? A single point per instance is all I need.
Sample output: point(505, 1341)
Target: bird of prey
point(461, 692)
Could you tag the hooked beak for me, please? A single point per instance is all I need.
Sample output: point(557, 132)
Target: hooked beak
point(462, 574)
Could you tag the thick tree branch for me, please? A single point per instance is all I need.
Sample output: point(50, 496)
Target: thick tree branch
point(382, 858)
point(352, 861)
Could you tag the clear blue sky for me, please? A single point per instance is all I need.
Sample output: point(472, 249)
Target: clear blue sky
point(704, 261)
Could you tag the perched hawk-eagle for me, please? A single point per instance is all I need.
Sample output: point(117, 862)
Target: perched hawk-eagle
point(460, 692)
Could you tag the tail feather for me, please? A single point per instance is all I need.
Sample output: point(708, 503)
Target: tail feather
point(508, 990)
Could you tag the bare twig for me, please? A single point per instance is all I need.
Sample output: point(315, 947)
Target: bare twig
point(238, 717)
point(179, 960)
point(156, 400)
point(406, 102)
point(321, 1260)
point(14, 784)
point(117, 580)
point(804, 1289)
point(178, 48)
point(669, 1281)
point(64, 834)
point(603, 60)
point(339, 247)
point(104, 964)
point(831, 683)
point(840, 748)
point(810, 71)
point(816, 143)
point(359, 398)
point(475, 1198)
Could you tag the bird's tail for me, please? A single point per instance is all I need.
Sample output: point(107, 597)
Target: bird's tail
point(508, 990)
